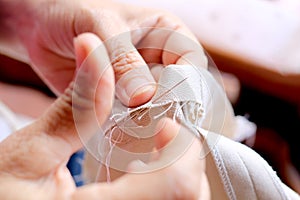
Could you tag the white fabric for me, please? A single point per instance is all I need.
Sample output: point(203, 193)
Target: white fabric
point(5, 129)
point(10, 121)
point(234, 171)
point(198, 99)
point(242, 172)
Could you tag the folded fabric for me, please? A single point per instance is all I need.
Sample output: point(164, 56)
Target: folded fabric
point(185, 93)
point(193, 97)
point(190, 94)
point(235, 171)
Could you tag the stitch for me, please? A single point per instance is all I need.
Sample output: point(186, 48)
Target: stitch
point(222, 169)
point(120, 122)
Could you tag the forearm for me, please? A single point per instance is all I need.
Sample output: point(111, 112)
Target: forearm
point(14, 17)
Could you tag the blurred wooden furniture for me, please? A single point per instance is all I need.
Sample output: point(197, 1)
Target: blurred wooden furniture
point(259, 39)
point(259, 42)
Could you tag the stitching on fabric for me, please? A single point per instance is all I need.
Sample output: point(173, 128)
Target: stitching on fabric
point(223, 173)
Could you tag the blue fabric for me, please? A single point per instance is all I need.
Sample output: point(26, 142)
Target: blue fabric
point(75, 167)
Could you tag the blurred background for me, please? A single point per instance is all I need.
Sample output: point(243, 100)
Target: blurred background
point(256, 46)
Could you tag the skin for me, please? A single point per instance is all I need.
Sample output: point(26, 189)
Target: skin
point(32, 160)
point(41, 34)
point(55, 38)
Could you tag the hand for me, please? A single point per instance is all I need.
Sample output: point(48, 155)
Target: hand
point(32, 160)
point(46, 30)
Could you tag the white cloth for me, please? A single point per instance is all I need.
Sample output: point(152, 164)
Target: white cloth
point(5, 129)
point(196, 98)
point(192, 96)
point(235, 171)
point(10, 121)
point(185, 93)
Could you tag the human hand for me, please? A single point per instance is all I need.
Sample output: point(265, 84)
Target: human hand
point(33, 160)
point(47, 28)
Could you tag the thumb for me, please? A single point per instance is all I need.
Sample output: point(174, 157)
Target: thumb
point(44, 145)
point(79, 112)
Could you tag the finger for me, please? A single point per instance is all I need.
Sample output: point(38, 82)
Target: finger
point(134, 82)
point(169, 42)
point(54, 70)
point(87, 102)
point(42, 146)
point(182, 180)
point(180, 49)
point(172, 142)
point(164, 134)
point(156, 71)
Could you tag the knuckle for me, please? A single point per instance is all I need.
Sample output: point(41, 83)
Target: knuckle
point(60, 116)
point(168, 20)
point(83, 21)
point(79, 95)
point(124, 62)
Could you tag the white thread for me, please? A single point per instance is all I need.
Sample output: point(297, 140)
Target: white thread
point(120, 119)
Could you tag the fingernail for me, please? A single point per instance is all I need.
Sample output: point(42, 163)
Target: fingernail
point(139, 91)
point(83, 45)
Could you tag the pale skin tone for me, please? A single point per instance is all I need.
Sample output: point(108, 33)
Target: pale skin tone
point(33, 159)
point(41, 33)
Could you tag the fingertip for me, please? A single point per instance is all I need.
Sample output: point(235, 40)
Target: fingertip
point(135, 88)
point(142, 95)
point(80, 53)
point(166, 130)
point(83, 45)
